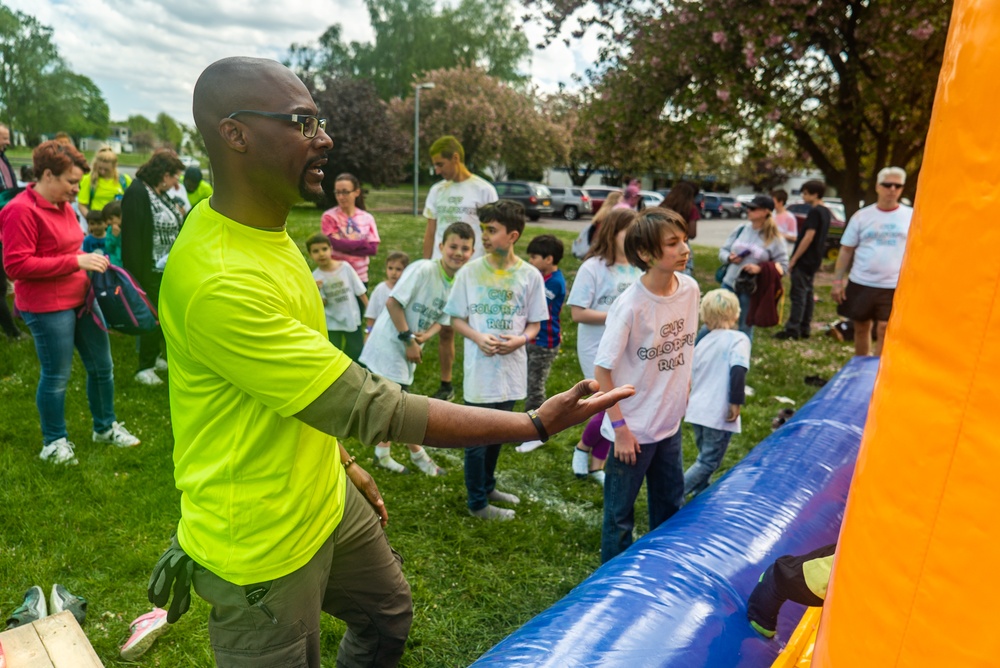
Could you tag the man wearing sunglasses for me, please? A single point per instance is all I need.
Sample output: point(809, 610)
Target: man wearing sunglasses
point(872, 248)
point(278, 522)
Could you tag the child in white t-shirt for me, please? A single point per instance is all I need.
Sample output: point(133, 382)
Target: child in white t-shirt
point(414, 313)
point(604, 275)
point(648, 342)
point(718, 385)
point(497, 304)
point(341, 289)
point(395, 263)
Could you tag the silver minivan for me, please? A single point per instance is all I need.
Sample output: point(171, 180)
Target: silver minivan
point(570, 202)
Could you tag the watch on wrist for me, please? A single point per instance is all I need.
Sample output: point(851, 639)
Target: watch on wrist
point(543, 435)
point(406, 336)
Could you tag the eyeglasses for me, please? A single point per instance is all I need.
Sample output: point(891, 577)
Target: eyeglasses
point(892, 185)
point(338, 193)
point(310, 125)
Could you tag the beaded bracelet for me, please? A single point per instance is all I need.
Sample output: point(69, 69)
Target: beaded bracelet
point(350, 461)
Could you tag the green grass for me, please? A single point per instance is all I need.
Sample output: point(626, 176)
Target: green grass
point(98, 528)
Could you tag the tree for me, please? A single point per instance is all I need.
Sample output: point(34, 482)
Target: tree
point(366, 141)
point(168, 131)
point(500, 128)
point(38, 93)
point(851, 82)
point(569, 111)
point(412, 38)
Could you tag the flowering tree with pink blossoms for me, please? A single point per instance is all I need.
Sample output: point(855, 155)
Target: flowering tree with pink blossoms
point(850, 81)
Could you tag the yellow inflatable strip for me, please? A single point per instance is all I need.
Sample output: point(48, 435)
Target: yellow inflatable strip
point(799, 650)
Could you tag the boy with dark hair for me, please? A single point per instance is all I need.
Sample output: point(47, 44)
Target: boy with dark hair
point(395, 263)
point(95, 240)
point(648, 342)
point(341, 288)
point(545, 252)
point(785, 219)
point(454, 199)
point(112, 213)
point(805, 262)
point(413, 314)
point(497, 304)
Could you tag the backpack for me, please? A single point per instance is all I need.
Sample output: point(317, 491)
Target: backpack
point(123, 305)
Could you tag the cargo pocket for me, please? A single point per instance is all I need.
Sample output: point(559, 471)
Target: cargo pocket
point(278, 647)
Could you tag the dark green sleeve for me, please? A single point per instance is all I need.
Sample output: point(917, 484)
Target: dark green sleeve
point(369, 408)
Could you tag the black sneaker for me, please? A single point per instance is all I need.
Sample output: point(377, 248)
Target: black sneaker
point(445, 393)
point(786, 334)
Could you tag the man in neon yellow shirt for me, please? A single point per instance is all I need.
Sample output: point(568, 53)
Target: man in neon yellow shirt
point(273, 508)
point(196, 186)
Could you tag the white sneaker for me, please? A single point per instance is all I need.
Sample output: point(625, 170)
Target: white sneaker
point(59, 451)
point(528, 446)
point(493, 513)
point(598, 476)
point(148, 377)
point(161, 364)
point(581, 463)
point(118, 435)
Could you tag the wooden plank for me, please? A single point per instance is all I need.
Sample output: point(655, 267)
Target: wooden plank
point(24, 649)
point(65, 642)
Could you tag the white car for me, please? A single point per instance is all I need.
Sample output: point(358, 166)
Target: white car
point(188, 161)
point(651, 197)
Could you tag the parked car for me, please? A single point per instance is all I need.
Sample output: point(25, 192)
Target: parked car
point(570, 202)
point(534, 197)
point(837, 223)
point(188, 161)
point(598, 194)
point(711, 206)
point(651, 197)
point(732, 208)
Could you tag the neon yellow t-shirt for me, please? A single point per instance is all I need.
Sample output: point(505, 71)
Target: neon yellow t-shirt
point(105, 191)
point(247, 342)
point(203, 191)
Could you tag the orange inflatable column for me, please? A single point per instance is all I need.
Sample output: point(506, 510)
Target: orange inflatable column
point(913, 582)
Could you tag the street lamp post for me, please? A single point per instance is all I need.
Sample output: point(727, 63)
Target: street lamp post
point(416, 144)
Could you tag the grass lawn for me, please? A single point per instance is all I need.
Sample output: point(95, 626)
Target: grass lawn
point(99, 527)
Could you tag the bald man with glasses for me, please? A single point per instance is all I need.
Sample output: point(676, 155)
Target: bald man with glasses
point(278, 521)
point(872, 249)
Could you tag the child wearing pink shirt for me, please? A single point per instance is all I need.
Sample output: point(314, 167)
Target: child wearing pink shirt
point(352, 230)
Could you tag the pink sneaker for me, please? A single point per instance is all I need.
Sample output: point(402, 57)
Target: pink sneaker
point(145, 630)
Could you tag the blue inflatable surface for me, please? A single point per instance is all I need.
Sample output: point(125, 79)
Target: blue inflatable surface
point(677, 597)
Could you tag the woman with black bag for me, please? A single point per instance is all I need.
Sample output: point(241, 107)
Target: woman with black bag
point(748, 247)
point(150, 223)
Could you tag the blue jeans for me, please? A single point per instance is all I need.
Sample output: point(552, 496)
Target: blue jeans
point(481, 464)
point(55, 335)
point(662, 465)
point(712, 445)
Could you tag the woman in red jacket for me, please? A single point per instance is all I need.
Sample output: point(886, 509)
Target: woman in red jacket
point(41, 251)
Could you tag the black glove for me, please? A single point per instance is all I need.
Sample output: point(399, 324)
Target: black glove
point(174, 567)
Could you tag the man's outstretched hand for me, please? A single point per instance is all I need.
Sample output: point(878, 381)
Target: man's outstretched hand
point(579, 403)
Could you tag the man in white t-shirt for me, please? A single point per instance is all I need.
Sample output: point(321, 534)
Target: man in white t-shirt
point(452, 200)
point(872, 247)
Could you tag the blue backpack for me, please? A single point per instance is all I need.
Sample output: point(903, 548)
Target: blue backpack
point(124, 306)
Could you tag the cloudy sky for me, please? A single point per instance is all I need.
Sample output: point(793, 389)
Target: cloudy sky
point(146, 55)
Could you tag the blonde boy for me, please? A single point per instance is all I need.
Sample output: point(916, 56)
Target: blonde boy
point(718, 384)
